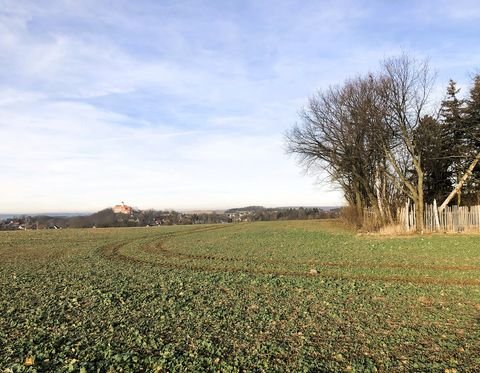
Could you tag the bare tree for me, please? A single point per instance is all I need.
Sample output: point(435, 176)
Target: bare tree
point(365, 135)
point(406, 85)
point(339, 131)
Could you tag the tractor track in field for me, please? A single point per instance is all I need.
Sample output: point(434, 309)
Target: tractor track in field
point(157, 248)
point(160, 248)
point(112, 251)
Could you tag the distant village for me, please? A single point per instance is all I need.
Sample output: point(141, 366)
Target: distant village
point(122, 215)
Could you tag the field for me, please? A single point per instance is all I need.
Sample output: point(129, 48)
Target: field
point(238, 297)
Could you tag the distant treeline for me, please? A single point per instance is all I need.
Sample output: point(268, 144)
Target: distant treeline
point(107, 218)
point(259, 213)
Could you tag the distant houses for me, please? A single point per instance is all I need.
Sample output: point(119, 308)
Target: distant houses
point(240, 216)
point(13, 224)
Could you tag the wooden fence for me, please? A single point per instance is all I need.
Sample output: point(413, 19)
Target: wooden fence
point(451, 219)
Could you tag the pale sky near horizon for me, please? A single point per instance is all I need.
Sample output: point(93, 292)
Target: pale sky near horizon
point(184, 104)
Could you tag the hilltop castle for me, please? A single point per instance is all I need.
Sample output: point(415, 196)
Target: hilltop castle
point(122, 209)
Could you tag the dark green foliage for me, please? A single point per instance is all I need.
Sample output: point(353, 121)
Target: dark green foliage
point(460, 139)
point(472, 124)
point(437, 166)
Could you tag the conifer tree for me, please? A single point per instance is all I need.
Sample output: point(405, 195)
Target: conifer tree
point(433, 142)
point(472, 139)
point(453, 134)
point(465, 148)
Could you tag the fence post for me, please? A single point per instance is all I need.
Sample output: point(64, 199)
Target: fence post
point(407, 220)
point(435, 213)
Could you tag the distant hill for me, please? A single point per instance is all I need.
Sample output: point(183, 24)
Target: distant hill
point(45, 214)
point(261, 208)
point(324, 208)
point(248, 208)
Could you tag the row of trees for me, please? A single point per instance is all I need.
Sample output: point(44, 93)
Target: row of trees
point(259, 213)
point(382, 140)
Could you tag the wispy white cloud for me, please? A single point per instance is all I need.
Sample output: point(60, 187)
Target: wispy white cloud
point(74, 155)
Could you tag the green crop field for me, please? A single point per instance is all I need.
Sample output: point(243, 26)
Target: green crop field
point(238, 297)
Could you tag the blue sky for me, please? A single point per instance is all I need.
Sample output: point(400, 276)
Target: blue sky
point(184, 104)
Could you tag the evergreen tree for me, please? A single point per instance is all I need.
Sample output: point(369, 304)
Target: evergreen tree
point(472, 140)
point(453, 134)
point(432, 142)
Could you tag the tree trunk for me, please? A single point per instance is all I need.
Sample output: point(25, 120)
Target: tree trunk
point(419, 204)
point(378, 191)
point(435, 213)
point(419, 216)
point(407, 209)
point(464, 178)
point(459, 196)
point(359, 207)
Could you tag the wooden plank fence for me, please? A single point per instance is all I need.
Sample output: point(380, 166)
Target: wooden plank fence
point(451, 219)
